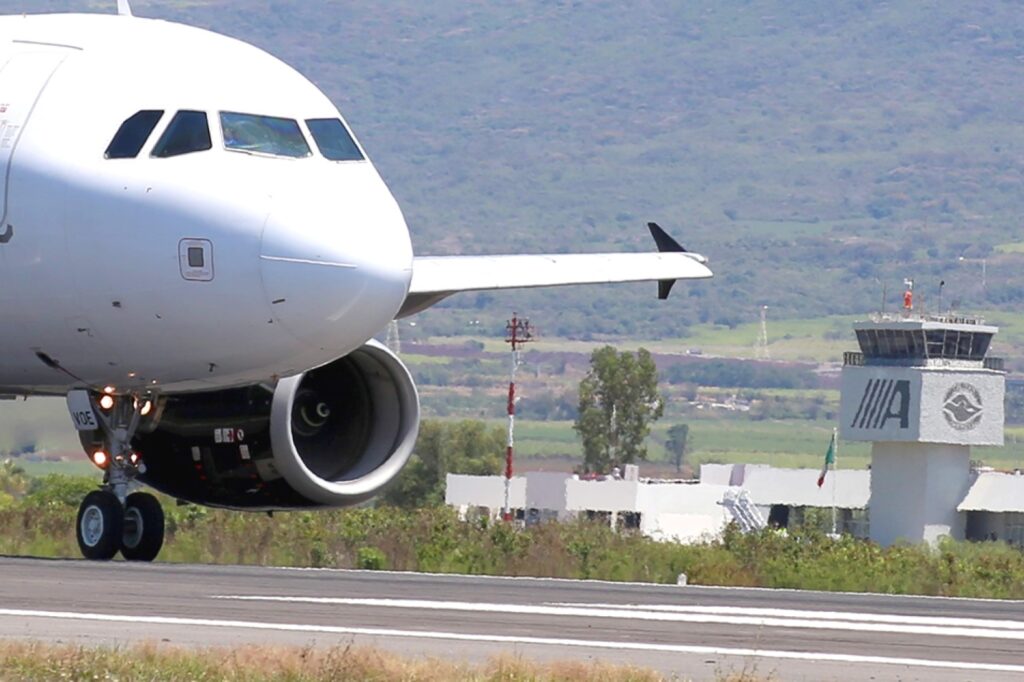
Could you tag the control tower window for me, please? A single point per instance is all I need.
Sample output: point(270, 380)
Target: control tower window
point(188, 131)
point(950, 345)
point(980, 345)
point(897, 344)
point(963, 345)
point(333, 139)
point(263, 135)
point(132, 135)
point(885, 343)
point(915, 344)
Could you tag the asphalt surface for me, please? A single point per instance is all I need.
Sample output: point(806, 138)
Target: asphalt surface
point(692, 632)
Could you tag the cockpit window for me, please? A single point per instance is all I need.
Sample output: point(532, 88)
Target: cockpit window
point(333, 140)
point(132, 135)
point(263, 135)
point(188, 131)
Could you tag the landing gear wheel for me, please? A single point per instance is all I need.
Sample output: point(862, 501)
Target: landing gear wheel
point(143, 534)
point(99, 527)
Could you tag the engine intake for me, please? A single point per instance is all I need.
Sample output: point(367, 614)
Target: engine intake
point(340, 432)
point(330, 437)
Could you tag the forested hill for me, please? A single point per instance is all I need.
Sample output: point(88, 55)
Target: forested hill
point(811, 149)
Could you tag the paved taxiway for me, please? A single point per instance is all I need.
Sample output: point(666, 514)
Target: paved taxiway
point(691, 631)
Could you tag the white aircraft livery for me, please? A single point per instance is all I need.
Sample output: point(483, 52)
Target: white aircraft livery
point(197, 253)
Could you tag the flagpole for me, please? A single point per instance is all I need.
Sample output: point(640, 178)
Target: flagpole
point(835, 462)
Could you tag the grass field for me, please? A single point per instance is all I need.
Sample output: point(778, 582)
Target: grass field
point(784, 443)
point(1010, 247)
point(45, 662)
point(779, 443)
point(820, 339)
point(795, 340)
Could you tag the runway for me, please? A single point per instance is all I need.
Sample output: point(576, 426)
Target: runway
point(693, 632)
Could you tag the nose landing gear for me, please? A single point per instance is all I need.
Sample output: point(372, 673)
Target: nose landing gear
point(114, 518)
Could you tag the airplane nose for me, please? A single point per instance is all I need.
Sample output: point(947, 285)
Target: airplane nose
point(334, 276)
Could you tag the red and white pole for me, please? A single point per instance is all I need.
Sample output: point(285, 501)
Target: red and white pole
point(518, 332)
point(510, 443)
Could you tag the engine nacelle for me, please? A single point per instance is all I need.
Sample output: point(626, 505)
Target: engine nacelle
point(330, 437)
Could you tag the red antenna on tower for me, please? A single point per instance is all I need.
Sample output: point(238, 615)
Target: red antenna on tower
point(908, 295)
point(517, 333)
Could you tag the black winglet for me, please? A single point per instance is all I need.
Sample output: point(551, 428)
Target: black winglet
point(663, 240)
point(665, 244)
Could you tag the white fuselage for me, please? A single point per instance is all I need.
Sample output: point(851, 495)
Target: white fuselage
point(308, 257)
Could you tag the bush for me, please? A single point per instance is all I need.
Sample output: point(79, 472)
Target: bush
point(434, 539)
point(370, 559)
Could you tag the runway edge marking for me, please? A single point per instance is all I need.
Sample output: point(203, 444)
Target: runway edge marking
point(820, 620)
point(595, 581)
point(503, 639)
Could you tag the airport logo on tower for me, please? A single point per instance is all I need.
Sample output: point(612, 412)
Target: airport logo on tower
point(962, 407)
point(883, 400)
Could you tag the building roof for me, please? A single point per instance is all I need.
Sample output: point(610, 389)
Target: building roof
point(799, 487)
point(919, 321)
point(995, 492)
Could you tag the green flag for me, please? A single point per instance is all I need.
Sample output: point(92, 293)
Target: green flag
point(830, 459)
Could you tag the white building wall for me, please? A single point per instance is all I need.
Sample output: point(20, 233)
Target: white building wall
point(915, 490)
point(924, 404)
point(716, 474)
point(685, 528)
point(546, 491)
point(682, 512)
point(466, 491)
point(603, 496)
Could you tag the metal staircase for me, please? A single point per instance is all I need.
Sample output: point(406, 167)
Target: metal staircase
point(743, 511)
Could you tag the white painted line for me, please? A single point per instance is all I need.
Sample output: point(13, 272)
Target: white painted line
point(804, 613)
point(851, 596)
point(454, 577)
point(800, 621)
point(816, 656)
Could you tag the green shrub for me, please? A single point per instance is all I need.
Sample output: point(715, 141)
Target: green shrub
point(370, 559)
point(434, 539)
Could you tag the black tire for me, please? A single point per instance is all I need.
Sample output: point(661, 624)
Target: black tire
point(143, 534)
point(99, 525)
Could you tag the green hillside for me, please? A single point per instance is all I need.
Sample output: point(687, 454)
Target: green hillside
point(815, 151)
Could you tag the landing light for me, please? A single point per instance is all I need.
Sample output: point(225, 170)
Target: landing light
point(147, 407)
point(100, 459)
point(135, 458)
point(106, 402)
point(109, 389)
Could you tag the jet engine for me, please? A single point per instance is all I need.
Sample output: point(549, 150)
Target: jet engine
point(330, 437)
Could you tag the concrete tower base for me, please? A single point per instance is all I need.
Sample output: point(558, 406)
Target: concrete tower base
point(915, 489)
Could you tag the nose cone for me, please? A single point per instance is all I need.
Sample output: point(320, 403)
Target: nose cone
point(335, 268)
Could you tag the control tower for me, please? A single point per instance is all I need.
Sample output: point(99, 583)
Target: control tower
point(923, 391)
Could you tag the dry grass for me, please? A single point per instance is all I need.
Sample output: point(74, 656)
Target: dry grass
point(38, 661)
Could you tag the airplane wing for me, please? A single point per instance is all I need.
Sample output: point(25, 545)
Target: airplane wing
point(437, 277)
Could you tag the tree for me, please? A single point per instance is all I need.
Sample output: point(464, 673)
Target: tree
point(618, 401)
point(442, 448)
point(678, 441)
